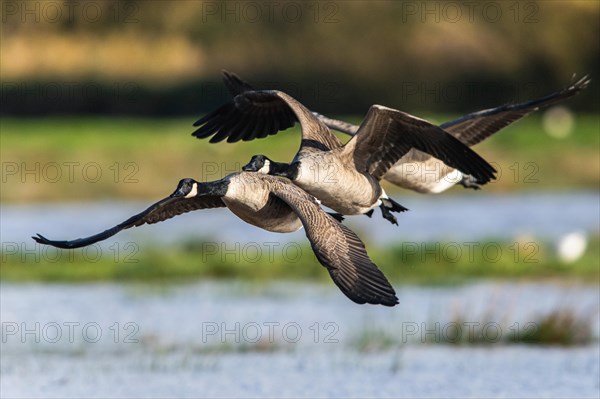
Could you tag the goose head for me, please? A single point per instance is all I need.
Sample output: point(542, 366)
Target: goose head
point(258, 163)
point(186, 188)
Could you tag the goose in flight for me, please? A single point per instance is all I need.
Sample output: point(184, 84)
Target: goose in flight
point(345, 177)
point(273, 204)
point(422, 172)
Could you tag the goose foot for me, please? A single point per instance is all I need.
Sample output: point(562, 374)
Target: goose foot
point(392, 205)
point(385, 212)
point(388, 206)
point(469, 181)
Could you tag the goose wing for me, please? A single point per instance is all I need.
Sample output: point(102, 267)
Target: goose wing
point(477, 126)
point(338, 249)
point(336, 124)
point(250, 115)
point(235, 84)
point(387, 134)
point(164, 209)
point(256, 114)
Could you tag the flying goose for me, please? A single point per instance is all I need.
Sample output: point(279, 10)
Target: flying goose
point(345, 177)
point(425, 173)
point(273, 204)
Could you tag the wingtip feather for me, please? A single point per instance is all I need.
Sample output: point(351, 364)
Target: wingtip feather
point(39, 238)
point(582, 83)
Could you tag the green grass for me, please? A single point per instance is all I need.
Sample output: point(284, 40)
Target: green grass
point(144, 158)
point(86, 158)
point(430, 263)
point(561, 327)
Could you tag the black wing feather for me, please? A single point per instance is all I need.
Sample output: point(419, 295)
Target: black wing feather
point(235, 84)
point(477, 126)
point(158, 212)
point(387, 134)
point(340, 250)
point(241, 118)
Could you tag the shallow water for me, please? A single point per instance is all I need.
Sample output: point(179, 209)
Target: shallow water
point(477, 216)
point(233, 339)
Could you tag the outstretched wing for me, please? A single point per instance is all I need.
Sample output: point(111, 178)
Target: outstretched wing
point(254, 114)
point(477, 126)
point(336, 124)
point(251, 115)
point(387, 134)
point(162, 210)
point(235, 84)
point(338, 249)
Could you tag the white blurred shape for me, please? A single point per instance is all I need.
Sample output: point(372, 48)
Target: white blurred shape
point(558, 122)
point(572, 246)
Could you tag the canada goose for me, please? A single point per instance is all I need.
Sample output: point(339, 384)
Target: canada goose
point(345, 177)
point(273, 204)
point(424, 173)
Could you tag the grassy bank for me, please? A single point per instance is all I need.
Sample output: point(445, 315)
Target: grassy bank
point(428, 263)
point(53, 159)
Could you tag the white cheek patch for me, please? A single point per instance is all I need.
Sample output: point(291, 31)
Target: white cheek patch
point(194, 191)
point(266, 167)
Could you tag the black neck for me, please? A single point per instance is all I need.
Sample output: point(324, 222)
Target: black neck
point(306, 143)
point(283, 169)
point(278, 168)
point(216, 188)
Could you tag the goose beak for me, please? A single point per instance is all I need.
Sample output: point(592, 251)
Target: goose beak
point(179, 192)
point(185, 191)
point(250, 167)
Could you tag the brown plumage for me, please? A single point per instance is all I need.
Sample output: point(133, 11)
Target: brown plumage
point(470, 129)
point(275, 205)
point(383, 138)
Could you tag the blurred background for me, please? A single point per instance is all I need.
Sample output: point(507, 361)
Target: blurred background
point(160, 60)
point(498, 288)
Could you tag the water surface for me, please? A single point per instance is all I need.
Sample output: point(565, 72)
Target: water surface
point(233, 339)
point(477, 216)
